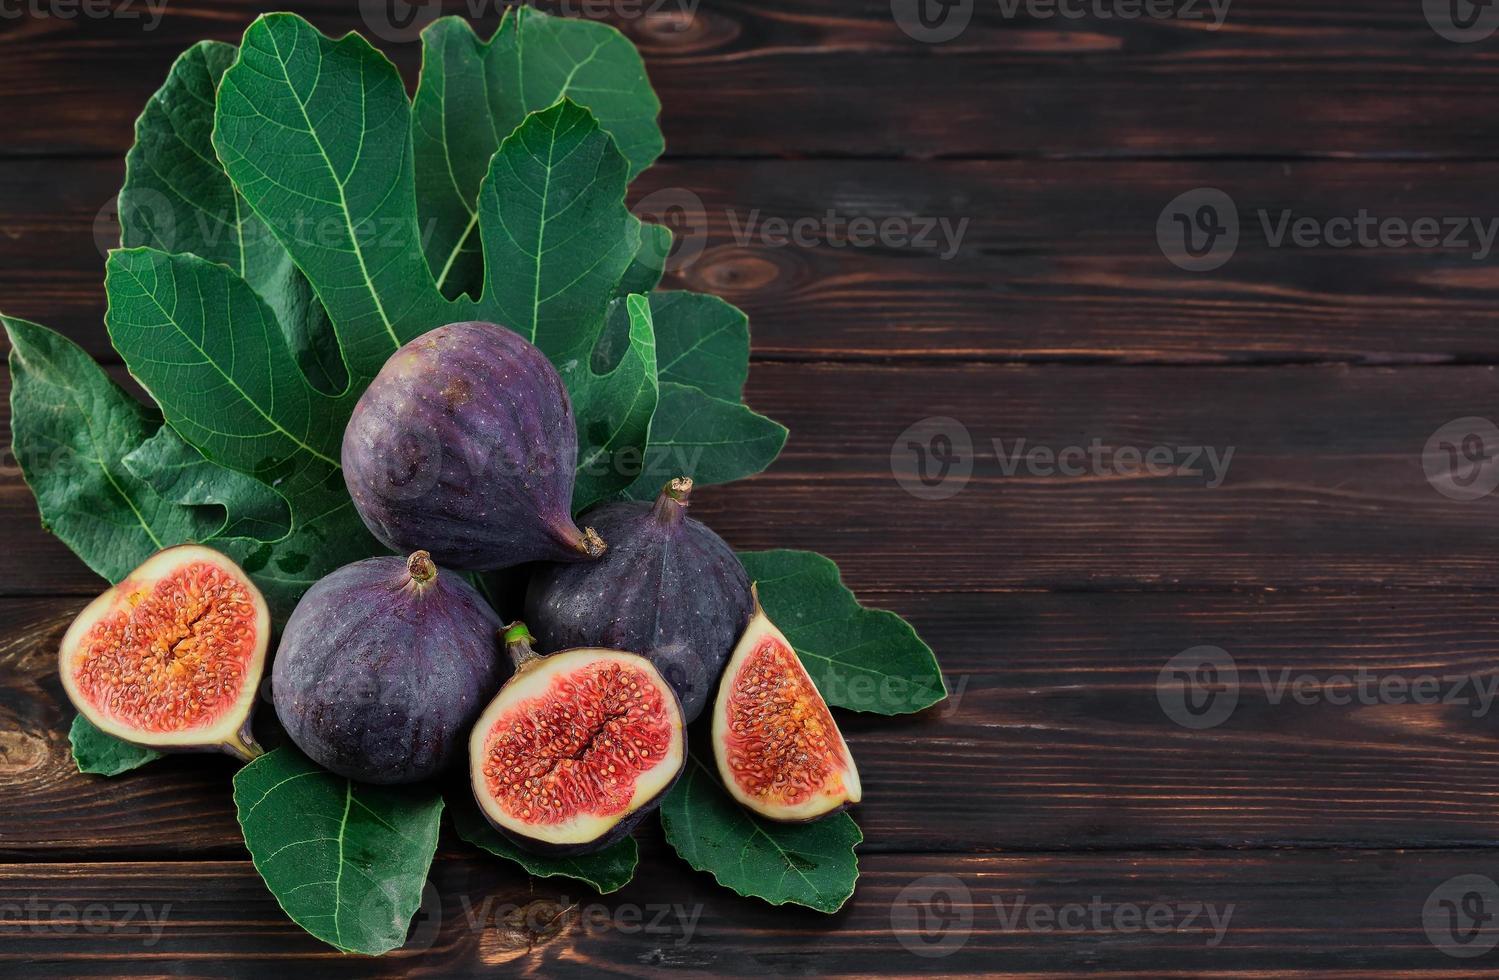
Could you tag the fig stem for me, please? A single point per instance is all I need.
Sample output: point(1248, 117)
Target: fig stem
point(518, 639)
point(421, 567)
point(672, 503)
point(593, 545)
point(242, 745)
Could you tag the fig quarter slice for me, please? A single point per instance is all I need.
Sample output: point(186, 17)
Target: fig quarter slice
point(779, 752)
point(171, 657)
point(576, 748)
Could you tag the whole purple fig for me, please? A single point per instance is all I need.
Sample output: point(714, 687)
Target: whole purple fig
point(668, 588)
point(383, 667)
point(464, 445)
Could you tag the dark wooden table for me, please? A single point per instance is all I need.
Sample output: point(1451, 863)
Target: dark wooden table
point(1061, 814)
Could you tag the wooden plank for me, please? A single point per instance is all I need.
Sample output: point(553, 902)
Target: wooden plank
point(1056, 737)
point(1155, 915)
point(1022, 261)
point(842, 78)
point(1324, 488)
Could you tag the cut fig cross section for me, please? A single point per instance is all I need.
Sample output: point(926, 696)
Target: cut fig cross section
point(171, 657)
point(576, 748)
point(779, 752)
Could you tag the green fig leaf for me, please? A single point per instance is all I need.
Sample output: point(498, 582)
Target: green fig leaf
point(564, 237)
point(709, 439)
point(345, 860)
point(860, 659)
point(204, 334)
point(472, 94)
point(178, 472)
point(811, 864)
point(608, 870)
point(71, 429)
point(702, 342)
point(177, 198)
point(316, 136)
point(702, 429)
point(236, 394)
point(617, 416)
point(104, 755)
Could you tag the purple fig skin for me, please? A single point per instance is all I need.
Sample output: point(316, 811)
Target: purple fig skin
point(464, 445)
point(383, 668)
point(668, 588)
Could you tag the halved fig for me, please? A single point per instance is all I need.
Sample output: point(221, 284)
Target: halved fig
point(576, 748)
point(779, 751)
point(171, 657)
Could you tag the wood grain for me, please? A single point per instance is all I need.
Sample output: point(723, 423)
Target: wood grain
point(982, 260)
point(1056, 774)
point(1055, 737)
point(1325, 488)
point(1302, 914)
point(835, 77)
